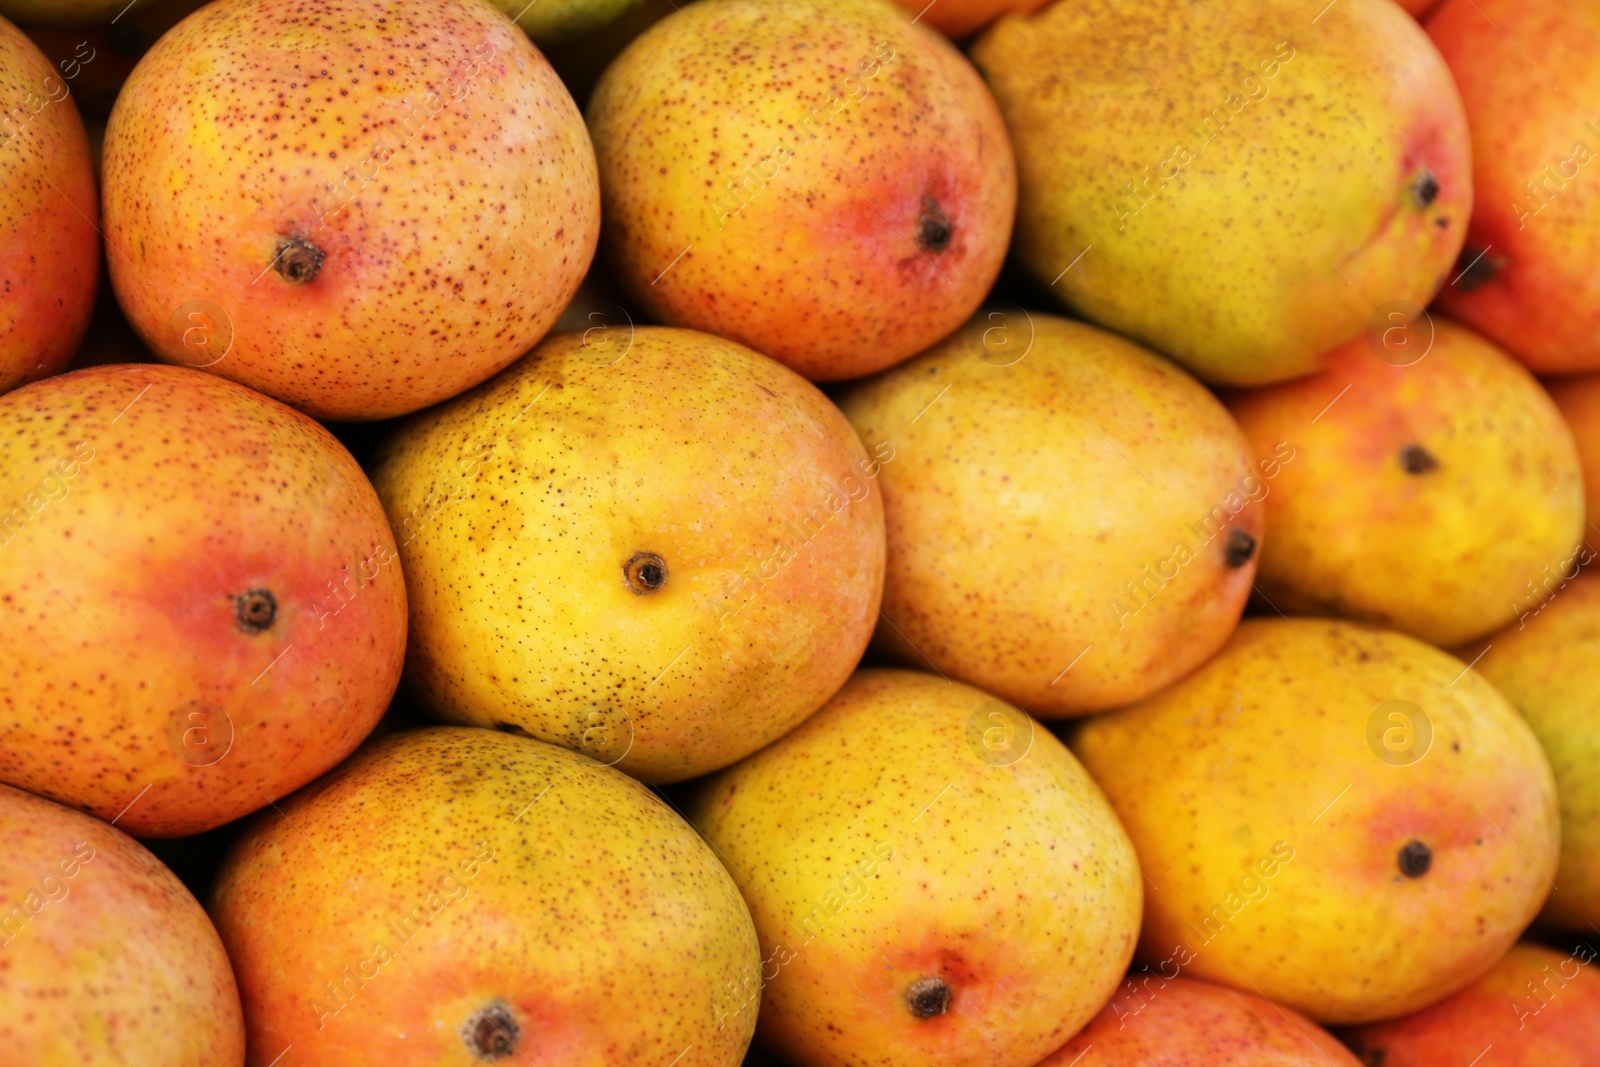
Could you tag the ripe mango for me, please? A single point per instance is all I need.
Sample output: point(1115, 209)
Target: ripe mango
point(105, 958)
point(1341, 819)
point(1578, 399)
point(838, 198)
point(1431, 484)
point(200, 596)
point(933, 877)
point(457, 896)
point(652, 545)
point(1072, 519)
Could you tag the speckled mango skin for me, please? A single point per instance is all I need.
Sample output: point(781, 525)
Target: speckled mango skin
point(1543, 300)
point(108, 932)
point(1011, 882)
point(49, 249)
point(853, 120)
point(1261, 757)
point(1028, 490)
point(424, 146)
point(1547, 663)
point(1179, 1022)
point(560, 889)
point(1578, 400)
point(1445, 553)
point(1499, 1019)
point(521, 503)
point(1272, 240)
point(556, 21)
point(163, 494)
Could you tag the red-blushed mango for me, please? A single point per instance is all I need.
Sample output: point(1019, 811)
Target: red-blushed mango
point(1536, 1008)
point(1237, 183)
point(1435, 479)
point(837, 196)
point(650, 544)
point(201, 602)
point(61, 12)
point(1072, 520)
point(1578, 400)
point(1529, 275)
point(49, 247)
point(360, 207)
point(961, 18)
point(934, 878)
point(105, 958)
point(458, 896)
point(1548, 664)
point(1341, 819)
point(1180, 1022)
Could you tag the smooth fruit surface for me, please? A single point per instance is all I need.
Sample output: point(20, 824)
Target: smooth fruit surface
point(1529, 275)
point(360, 207)
point(49, 248)
point(838, 197)
point(456, 896)
point(1428, 490)
point(202, 606)
point(1342, 819)
point(1536, 1008)
point(652, 545)
point(1072, 519)
point(1578, 399)
point(105, 958)
point(555, 21)
point(961, 18)
point(1156, 1021)
point(933, 876)
point(1167, 186)
point(1548, 664)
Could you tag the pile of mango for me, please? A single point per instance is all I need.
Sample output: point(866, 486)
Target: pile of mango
point(826, 533)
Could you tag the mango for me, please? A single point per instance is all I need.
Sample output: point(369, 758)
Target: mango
point(1239, 184)
point(555, 21)
point(1341, 819)
point(457, 896)
point(1170, 1021)
point(49, 245)
point(1535, 1008)
point(962, 18)
point(359, 207)
point(1527, 276)
point(1548, 664)
point(1433, 483)
point(107, 959)
point(933, 877)
point(651, 545)
point(1072, 520)
point(202, 606)
point(838, 199)
point(1578, 399)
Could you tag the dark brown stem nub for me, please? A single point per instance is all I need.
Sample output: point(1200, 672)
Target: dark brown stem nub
point(1414, 459)
point(1475, 268)
point(491, 1033)
point(1415, 859)
point(299, 261)
point(1425, 190)
point(928, 997)
point(1241, 546)
point(934, 228)
point(255, 610)
point(644, 573)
